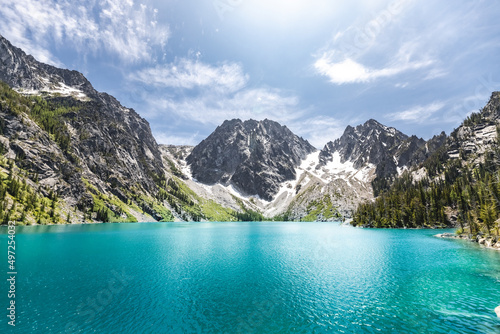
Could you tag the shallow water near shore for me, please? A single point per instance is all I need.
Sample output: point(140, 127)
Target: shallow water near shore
point(249, 278)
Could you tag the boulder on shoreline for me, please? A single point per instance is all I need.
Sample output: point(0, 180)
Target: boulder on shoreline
point(447, 235)
point(486, 241)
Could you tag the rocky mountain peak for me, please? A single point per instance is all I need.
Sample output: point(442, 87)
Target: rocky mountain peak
point(492, 108)
point(253, 156)
point(30, 77)
point(366, 143)
point(478, 133)
point(386, 148)
point(107, 145)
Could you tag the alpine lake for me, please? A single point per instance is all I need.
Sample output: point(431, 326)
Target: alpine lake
point(247, 277)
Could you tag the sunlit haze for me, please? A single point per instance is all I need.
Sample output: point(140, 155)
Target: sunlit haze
point(315, 66)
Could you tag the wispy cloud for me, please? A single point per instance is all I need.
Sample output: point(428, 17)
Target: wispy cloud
point(416, 114)
point(350, 71)
point(319, 130)
point(355, 55)
point(123, 29)
point(189, 74)
point(180, 138)
point(197, 93)
point(213, 107)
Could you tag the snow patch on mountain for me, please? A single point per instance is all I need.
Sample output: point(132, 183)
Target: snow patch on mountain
point(57, 88)
point(336, 169)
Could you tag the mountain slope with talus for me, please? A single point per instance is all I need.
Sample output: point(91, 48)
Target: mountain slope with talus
point(82, 153)
point(71, 154)
point(254, 157)
point(457, 185)
point(316, 185)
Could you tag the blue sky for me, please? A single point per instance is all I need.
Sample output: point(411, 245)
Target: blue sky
point(313, 65)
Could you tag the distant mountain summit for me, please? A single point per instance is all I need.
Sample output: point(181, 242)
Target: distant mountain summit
point(253, 156)
point(386, 148)
point(370, 142)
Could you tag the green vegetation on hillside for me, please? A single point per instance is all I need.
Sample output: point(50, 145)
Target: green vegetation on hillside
point(247, 215)
point(24, 204)
point(469, 193)
point(46, 113)
point(189, 206)
point(321, 209)
point(105, 208)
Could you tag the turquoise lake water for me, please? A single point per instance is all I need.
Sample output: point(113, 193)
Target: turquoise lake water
point(248, 278)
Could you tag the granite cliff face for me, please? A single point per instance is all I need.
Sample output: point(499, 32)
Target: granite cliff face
point(254, 157)
point(387, 149)
point(25, 74)
point(369, 143)
point(113, 143)
point(64, 140)
point(107, 148)
point(478, 133)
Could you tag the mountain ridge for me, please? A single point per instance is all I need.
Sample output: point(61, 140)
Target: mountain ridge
point(254, 156)
point(98, 133)
point(456, 185)
point(98, 160)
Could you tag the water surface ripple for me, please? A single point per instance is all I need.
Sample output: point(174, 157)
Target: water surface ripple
point(249, 278)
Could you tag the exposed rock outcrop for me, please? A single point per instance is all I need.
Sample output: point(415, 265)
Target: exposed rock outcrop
point(255, 157)
point(386, 148)
point(109, 146)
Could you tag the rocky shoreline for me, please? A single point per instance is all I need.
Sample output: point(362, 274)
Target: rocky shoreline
point(491, 242)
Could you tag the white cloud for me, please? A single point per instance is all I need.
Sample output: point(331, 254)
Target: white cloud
point(190, 74)
point(255, 104)
point(366, 52)
point(350, 71)
point(177, 138)
point(213, 108)
point(346, 71)
point(416, 114)
point(402, 84)
point(209, 94)
point(121, 28)
point(319, 130)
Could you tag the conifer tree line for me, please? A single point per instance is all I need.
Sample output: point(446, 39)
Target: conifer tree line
point(46, 113)
point(454, 192)
point(21, 202)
